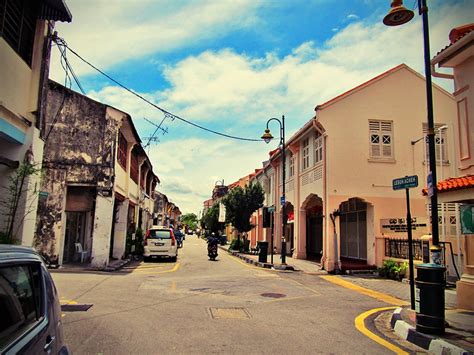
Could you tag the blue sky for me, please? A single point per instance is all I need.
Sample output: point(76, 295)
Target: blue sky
point(230, 65)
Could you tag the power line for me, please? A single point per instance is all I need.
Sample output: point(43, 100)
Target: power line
point(167, 113)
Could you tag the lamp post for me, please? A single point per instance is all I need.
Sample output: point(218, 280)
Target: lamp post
point(398, 15)
point(430, 281)
point(267, 137)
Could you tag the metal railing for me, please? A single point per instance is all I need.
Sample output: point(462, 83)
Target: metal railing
point(398, 248)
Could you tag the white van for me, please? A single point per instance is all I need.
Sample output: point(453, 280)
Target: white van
point(160, 242)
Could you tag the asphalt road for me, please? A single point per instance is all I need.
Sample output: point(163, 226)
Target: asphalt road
point(202, 307)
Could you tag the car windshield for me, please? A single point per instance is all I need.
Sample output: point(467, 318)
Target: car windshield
point(160, 234)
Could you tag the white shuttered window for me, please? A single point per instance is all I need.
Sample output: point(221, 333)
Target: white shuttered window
point(381, 139)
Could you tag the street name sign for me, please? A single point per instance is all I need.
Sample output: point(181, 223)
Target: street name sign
point(406, 182)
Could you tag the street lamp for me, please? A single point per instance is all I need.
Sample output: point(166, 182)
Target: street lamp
point(398, 15)
point(267, 137)
point(430, 277)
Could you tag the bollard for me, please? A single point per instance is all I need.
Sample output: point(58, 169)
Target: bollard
point(263, 251)
point(429, 298)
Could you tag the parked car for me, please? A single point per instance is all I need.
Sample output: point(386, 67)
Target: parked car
point(160, 242)
point(30, 321)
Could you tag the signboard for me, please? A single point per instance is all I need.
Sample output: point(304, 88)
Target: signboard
point(429, 183)
point(406, 182)
point(271, 209)
point(399, 225)
point(282, 200)
point(467, 219)
point(222, 212)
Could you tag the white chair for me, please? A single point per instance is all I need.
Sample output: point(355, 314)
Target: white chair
point(80, 251)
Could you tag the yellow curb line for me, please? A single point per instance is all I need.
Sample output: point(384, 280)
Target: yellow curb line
point(360, 325)
point(145, 272)
point(374, 294)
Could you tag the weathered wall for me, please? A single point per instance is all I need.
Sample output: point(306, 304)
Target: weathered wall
point(101, 231)
point(78, 151)
point(120, 231)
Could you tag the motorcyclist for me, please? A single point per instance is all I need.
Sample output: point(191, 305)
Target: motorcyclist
point(212, 243)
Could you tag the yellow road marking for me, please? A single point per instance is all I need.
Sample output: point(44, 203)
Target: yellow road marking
point(146, 272)
point(238, 260)
point(306, 287)
point(173, 286)
point(64, 301)
point(360, 325)
point(374, 294)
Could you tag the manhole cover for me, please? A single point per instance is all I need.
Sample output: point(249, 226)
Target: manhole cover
point(273, 295)
point(75, 307)
point(229, 313)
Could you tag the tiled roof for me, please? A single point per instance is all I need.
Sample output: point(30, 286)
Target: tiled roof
point(453, 184)
point(456, 34)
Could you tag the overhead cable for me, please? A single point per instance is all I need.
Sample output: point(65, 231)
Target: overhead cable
point(60, 41)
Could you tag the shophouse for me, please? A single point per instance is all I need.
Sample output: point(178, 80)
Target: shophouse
point(340, 205)
point(25, 44)
point(458, 188)
point(98, 183)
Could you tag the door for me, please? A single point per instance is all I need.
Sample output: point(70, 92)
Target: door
point(75, 233)
point(353, 230)
point(314, 236)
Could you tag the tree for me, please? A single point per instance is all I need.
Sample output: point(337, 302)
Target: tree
point(13, 205)
point(241, 204)
point(190, 219)
point(210, 220)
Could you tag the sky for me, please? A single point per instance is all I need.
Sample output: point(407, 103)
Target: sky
point(230, 66)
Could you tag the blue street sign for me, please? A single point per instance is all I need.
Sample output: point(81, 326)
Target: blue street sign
point(406, 182)
point(282, 200)
point(429, 183)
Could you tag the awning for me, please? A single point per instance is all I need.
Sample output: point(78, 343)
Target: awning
point(55, 10)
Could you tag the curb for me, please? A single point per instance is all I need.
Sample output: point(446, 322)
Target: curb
point(428, 342)
point(260, 264)
point(117, 267)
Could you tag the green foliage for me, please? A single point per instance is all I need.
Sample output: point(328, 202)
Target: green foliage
point(13, 197)
point(241, 203)
point(235, 244)
point(190, 219)
point(393, 270)
point(210, 221)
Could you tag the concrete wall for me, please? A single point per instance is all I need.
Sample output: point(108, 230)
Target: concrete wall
point(120, 230)
point(101, 231)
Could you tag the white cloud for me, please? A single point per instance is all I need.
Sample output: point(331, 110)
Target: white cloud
point(133, 29)
point(352, 17)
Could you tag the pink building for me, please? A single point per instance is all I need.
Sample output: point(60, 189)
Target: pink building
point(459, 187)
point(340, 203)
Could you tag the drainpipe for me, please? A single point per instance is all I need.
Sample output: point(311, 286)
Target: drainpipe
point(438, 74)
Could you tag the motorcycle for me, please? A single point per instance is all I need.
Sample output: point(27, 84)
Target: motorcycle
point(212, 251)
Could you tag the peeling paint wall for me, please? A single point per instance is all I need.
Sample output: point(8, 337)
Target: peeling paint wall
point(120, 232)
point(79, 151)
point(101, 231)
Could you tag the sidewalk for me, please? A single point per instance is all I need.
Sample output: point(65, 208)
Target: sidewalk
point(113, 265)
point(459, 336)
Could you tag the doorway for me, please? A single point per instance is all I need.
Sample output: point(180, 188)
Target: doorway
point(75, 233)
point(313, 207)
point(353, 229)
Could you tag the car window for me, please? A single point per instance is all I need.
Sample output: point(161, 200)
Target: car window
point(20, 300)
point(160, 233)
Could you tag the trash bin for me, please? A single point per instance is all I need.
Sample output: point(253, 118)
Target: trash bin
point(429, 298)
point(263, 251)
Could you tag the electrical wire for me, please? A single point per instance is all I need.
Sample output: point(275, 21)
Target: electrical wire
point(167, 113)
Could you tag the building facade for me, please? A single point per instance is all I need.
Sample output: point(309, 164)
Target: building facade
point(458, 189)
point(97, 185)
point(340, 205)
point(25, 43)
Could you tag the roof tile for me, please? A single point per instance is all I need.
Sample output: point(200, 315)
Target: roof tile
point(453, 184)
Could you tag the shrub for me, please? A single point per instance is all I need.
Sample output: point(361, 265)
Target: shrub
point(235, 244)
point(393, 270)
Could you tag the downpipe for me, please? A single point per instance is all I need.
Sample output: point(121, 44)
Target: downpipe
point(337, 266)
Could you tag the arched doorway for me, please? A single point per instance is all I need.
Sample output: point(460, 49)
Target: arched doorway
point(313, 206)
point(353, 229)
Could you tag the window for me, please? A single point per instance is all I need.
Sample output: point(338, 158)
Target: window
point(305, 154)
point(20, 300)
point(318, 148)
point(122, 151)
point(381, 139)
point(441, 151)
point(291, 165)
point(134, 167)
point(18, 25)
